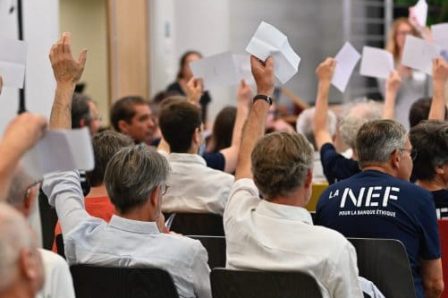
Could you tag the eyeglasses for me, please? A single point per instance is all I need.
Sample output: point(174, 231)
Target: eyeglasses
point(412, 152)
point(163, 189)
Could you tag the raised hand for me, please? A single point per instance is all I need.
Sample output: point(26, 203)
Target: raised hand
point(194, 89)
point(440, 70)
point(325, 70)
point(393, 81)
point(264, 75)
point(244, 93)
point(65, 68)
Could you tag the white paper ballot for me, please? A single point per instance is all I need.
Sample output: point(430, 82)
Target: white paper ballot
point(267, 41)
point(377, 63)
point(440, 35)
point(346, 60)
point(60, 150)
point(12, 62)
point(224, 69)
point(421, 12)
point(419, 54)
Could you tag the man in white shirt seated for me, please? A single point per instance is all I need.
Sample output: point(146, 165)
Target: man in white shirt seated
point(276, 232)
point(193, 187)
point(58, 280)
point(135, 180)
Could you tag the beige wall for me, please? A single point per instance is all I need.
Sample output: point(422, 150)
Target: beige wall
point(87, 21)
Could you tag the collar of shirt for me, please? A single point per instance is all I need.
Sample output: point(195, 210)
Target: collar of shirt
point(187, 158)
point(284, 212)
point(134, 226)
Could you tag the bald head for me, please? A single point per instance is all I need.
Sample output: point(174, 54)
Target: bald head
point(15, 236)
point(20, 195)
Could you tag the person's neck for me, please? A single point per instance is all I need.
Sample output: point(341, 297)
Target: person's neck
point(138, 214)
point(295, 199)
point(98, 191)
point(379, 168)
point(432, 185)
point(17, 291)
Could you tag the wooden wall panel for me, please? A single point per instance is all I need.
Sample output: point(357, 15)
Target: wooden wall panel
point(128, 48)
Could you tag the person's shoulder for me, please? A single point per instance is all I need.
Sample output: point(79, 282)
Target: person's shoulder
point(52, 260)
point(336, 239)
point(186, 245)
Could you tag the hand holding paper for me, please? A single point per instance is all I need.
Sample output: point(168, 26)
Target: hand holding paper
point(269, 41)
point(346, 60)
point(377, 63)
point(419, 54)
point(13, 62)
point(60, 150)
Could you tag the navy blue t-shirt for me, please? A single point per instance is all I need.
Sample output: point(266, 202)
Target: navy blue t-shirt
point(441, 202)
point(372, 204)
point(336, 167)
point(215, 160)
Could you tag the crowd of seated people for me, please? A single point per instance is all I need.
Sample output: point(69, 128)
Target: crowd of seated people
point(385, 183)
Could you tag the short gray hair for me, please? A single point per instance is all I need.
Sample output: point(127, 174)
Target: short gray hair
point(280, 162)
point(15, 235)
point(132, 174)
point(304, 124)
point(20, 184)
point(376, 140)
point(358, 114)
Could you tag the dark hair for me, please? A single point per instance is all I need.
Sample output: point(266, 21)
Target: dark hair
point(223, 129)
point(123, 109)
point(80, 110)
point(430, 140)
point(420, 111)
point(178, 121)
point(105, 145)
point(132, 174)
point(183, 61)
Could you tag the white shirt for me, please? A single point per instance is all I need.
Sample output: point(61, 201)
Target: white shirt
point(124, 242)
point(58, 280)
point(194, 187)
point(268, 236)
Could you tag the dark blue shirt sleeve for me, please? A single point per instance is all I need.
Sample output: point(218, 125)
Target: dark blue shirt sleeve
point(215, 160)
point(336, 167)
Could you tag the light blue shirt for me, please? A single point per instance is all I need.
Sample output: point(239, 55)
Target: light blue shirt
point(124, 242)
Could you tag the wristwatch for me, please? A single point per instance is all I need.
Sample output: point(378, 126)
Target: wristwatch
point(266, 98)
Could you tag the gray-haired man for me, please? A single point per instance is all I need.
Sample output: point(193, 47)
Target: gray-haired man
point(379, 202)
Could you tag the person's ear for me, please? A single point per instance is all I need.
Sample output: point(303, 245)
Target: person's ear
point(309, 178)
point(395, 159)
point(197, 138)
point(440, 170)
point(28, 201)
point(123, 126)
point(82, 123)
point(155, 201)
point(30, 264)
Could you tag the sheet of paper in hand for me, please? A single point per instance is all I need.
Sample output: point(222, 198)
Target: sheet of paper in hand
point(419, 54)
point(12, 62)
point(225, 69)
point(268, 41)
point(421, 12)
point(60, 150)
point(346, 60)
point(377, 63)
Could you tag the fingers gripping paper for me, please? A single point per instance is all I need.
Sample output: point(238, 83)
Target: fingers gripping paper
point(268, 41)
point(60, 150)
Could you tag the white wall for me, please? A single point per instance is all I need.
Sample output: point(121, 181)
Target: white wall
point(40, 31)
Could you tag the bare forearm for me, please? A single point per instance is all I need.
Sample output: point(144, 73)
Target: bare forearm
point(437, 110)
point(252, 132)
point(389, 104)
point(321, 133)
point(61, 117)
point(242, 112)
point(8, 162)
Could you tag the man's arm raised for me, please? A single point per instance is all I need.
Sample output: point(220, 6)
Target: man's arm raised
point(67, 72)
point(324, 74)
point(440, 78)
point(255, 124)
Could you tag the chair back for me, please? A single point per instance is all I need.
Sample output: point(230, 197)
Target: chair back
point(122, 282)
point(262, 284)
point(216, 249)
point(197, 224)
point(385, 263)
point(443, 234)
